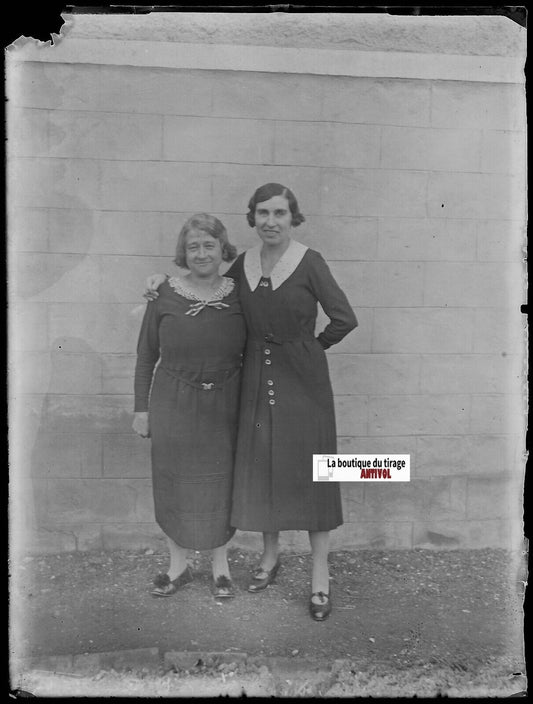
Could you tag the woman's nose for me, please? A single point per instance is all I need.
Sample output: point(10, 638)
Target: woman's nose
point(270, 220)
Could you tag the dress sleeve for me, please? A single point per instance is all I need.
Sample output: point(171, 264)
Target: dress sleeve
point(334, 302)
point(147, 356)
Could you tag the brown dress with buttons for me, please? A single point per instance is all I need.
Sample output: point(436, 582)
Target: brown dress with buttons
point(287, 411)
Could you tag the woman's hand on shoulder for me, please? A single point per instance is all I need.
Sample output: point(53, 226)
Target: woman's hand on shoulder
point(141, 424)
point(153, 282)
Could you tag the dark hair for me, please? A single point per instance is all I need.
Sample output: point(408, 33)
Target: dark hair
point(268, 191)
point(204, 222)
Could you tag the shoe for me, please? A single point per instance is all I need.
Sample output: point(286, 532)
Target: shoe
point(164, 586)
point(223, 588)
point(262, 578)
point(320, 612)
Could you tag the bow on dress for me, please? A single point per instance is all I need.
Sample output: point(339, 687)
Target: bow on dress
point(195, 308)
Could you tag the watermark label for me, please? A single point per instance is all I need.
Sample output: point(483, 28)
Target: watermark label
point(361, 468)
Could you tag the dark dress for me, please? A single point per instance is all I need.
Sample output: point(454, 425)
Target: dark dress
point(193, 410)
point(287, 411)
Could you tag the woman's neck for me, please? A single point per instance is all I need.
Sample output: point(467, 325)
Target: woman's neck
point(271, 254)
point(205, 283)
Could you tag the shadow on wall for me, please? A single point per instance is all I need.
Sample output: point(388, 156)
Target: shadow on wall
point(67, 452)
point(62, 239)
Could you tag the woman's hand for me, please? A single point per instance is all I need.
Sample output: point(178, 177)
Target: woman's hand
point(153, 282)
point(141, 425)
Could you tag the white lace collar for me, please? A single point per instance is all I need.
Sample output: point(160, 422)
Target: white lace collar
point(179, 284)
point(283, 268)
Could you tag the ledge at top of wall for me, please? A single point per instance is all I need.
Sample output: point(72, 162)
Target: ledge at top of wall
point(487, 48)
point(481, 35)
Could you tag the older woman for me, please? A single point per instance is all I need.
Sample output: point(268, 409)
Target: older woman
point(287, 411)
point(195, 333)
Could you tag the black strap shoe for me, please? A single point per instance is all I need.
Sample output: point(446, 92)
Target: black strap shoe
point(223, 588)
point(262, 578)
point(320, 612)
point(164, 586)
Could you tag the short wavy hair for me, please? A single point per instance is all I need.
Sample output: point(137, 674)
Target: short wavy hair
point(203, 222)
point(268, 191)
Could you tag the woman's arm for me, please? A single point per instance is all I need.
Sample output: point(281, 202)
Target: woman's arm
point(334, 302)
point(153, 282)
point(147, 357)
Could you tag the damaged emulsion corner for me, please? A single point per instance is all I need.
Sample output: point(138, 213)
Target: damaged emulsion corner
point(37, 36)
point(25, 46)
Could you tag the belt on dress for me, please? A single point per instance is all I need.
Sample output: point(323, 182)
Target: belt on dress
point(204, 385)
point(279, 340)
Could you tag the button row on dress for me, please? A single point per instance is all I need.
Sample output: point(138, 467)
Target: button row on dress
point(268, 338)
point(270, 391)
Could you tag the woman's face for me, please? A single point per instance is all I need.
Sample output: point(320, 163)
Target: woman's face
point(203, 253)
point(273, 220)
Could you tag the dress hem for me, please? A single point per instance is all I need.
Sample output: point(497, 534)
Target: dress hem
point(210, 546)
point(275, 529)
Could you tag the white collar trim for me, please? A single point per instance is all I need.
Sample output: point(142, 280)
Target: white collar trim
point(179, 284)
point(283, 268)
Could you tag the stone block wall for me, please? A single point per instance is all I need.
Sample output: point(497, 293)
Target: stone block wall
point(413, 191)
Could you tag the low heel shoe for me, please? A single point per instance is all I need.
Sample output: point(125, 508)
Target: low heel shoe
point(223, 588)
point(262, 578)
point(164, 586)
point(320, 612)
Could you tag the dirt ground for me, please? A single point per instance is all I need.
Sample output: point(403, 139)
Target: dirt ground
point(396, 614)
